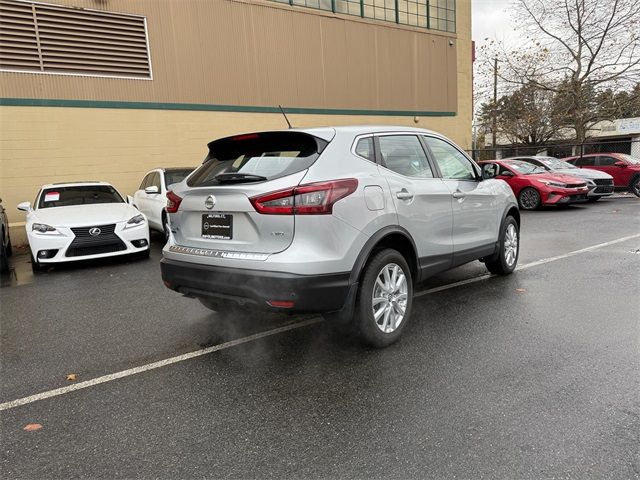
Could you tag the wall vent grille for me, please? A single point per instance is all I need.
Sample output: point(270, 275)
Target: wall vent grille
point(36, 37)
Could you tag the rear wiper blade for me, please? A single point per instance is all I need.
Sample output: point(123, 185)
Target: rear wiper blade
point(239, 178)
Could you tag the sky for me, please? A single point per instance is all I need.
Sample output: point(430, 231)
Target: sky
point(490, 18)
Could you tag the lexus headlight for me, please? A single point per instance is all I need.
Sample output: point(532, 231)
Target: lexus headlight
point(135, 221)
point(551, 183)
point(42, 228)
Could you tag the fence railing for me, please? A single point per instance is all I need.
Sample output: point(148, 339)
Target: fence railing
point(559, 150)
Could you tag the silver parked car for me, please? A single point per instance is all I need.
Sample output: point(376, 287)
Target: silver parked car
point(600, 183)
point(343, 221)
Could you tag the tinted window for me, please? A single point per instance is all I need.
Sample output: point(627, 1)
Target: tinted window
point(606, 161)
point(364, 148)
point(81, 195)
point(155, 181)
point(587, 161)
point(269, 155)
point(145, 181)
point(404, 154)
point(452, 162)
point(175, 176)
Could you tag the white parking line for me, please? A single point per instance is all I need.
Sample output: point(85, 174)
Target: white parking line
point(205, 351)
point(527, 265)
point(154, 365)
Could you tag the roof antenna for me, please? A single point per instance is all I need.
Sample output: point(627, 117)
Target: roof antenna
point(285, 116)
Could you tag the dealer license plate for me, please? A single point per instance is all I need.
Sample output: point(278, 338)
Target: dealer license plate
point(218, 226)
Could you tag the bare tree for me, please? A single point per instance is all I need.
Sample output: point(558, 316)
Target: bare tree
point(529, 116)
point(576, 49)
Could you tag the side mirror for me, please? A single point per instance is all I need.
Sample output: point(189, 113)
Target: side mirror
point(489, 170)
point(152, 190)
point(620, 164)
point(25, 207)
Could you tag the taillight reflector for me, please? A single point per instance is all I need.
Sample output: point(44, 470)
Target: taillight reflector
point(281, 303)
point(173, 202)
point(310, 199)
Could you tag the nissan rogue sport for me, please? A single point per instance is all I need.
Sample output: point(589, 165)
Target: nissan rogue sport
point(341, 221)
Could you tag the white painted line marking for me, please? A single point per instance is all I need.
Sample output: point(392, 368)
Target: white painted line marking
point(527, 265)
point(154, 365)
point(268, 333)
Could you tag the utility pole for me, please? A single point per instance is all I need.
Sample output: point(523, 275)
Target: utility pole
point(495, 104)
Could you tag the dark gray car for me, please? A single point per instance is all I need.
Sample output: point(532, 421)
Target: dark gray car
point(5, 240)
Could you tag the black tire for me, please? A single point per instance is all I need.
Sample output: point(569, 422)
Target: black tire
point(9, 248)
point(505, 260)
point(371, 331)
point(593, 199)
point(165, 226)
point(4, 259)
point(634, 185)
point(35, 266)
point(529, 199)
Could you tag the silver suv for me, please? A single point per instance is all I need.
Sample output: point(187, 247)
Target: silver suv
point(342, 221)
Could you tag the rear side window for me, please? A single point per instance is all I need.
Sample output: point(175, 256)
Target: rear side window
point(364, 149)
point(587, 161)
point(606, 161)
point(257, 157)
point(80, 195)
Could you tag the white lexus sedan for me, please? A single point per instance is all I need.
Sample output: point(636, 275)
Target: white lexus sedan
point(82, 221)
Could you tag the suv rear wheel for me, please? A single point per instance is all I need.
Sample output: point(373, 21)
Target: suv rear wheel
point(385, 296)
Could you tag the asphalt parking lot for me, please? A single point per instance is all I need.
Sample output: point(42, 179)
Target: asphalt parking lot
point(535, 375)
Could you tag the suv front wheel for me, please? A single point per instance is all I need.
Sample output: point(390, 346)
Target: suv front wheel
point(384, 299)
point(506, 258)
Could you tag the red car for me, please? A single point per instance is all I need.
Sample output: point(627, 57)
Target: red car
point(624, 169)
point(533, 186)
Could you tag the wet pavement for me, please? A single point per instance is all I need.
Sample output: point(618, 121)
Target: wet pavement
point(535, 375)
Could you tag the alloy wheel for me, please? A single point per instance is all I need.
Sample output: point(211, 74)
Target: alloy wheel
point(511, 245)
point(389, 299)
point(529, 199)
point(635, 186)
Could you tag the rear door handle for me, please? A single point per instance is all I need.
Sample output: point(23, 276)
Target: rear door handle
point(459, 194)
point(404, 195)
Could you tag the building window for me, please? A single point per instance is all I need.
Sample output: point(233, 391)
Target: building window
point(432, 14)
point(55, 39)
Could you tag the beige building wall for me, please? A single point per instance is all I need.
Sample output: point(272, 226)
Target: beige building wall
point(41, 145)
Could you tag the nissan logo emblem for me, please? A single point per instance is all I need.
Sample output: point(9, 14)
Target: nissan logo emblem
point(210, 202)
point(95, 231)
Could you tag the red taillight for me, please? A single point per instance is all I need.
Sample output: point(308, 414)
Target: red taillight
point(173, 202)
point(310, 199)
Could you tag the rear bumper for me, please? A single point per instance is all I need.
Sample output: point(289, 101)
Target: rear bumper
point(309, 293)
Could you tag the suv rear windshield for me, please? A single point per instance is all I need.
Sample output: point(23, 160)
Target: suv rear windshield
point(81, 195)
point(257, 157)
